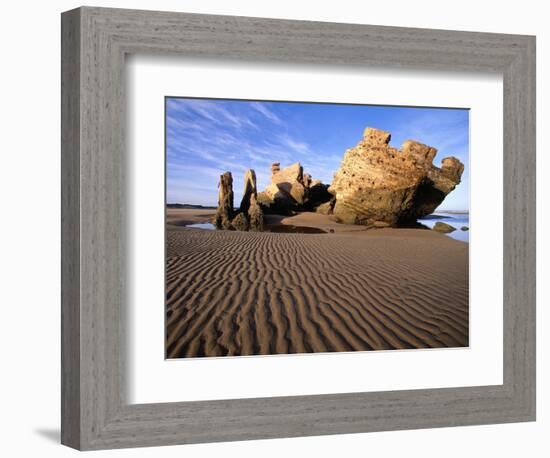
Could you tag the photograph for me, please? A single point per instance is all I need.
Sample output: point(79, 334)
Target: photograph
point(307, 227)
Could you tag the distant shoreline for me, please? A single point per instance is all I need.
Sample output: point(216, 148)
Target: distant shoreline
point(452, 212)
point(191, 206)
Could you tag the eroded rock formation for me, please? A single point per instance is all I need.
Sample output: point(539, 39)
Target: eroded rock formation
point(225, 211)
point(249, 216)
point(326, 208)
point(378, 184)
point(250, 208)
point(248, 191)
point(240, 222)
point(292, 190)
point(255, 215)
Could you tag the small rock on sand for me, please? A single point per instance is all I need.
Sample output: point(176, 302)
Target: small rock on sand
point(464, 228)
point(443, 227)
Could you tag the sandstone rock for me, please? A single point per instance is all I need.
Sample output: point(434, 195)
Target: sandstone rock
point(290, 181)
point(249, 190)
point(376, 136)
point(225, 210)
point(249, 204)
point(326, 208)
point(452, 168)
point(307, 180)
point(250, 215)
point(240, 222)
point(376, 182)
point(255, 215)
point(292, 190)
point(318, 194)
point(443, 227)
point(286, 192)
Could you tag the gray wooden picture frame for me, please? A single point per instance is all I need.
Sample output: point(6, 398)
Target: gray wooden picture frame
point(95, 411)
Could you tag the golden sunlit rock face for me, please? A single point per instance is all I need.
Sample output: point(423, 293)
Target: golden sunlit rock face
point(292, 190)
point(377, 183)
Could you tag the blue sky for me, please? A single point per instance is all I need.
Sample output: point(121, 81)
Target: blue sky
point(206, 137)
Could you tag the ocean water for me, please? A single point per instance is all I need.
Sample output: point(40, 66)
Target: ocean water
point(209, 226)
point(457, 220)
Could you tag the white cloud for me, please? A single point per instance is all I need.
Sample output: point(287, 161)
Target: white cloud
point(263, 109)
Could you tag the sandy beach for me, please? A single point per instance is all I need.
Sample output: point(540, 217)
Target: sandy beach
point(349, 289)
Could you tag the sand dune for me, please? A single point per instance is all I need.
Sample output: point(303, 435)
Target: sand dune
point(245, 293)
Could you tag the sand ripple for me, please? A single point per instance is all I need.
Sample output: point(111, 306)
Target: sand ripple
point(237, 293)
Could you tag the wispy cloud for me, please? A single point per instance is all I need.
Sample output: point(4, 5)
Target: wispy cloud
point(210, 110)
point(440, 129)
point(294, 145)
point(206, 138)
point(264, 109)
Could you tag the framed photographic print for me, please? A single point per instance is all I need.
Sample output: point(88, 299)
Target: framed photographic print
point(345, 280)
point(286, 228)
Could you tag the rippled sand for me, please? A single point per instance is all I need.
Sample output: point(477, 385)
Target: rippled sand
point(245, 293)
